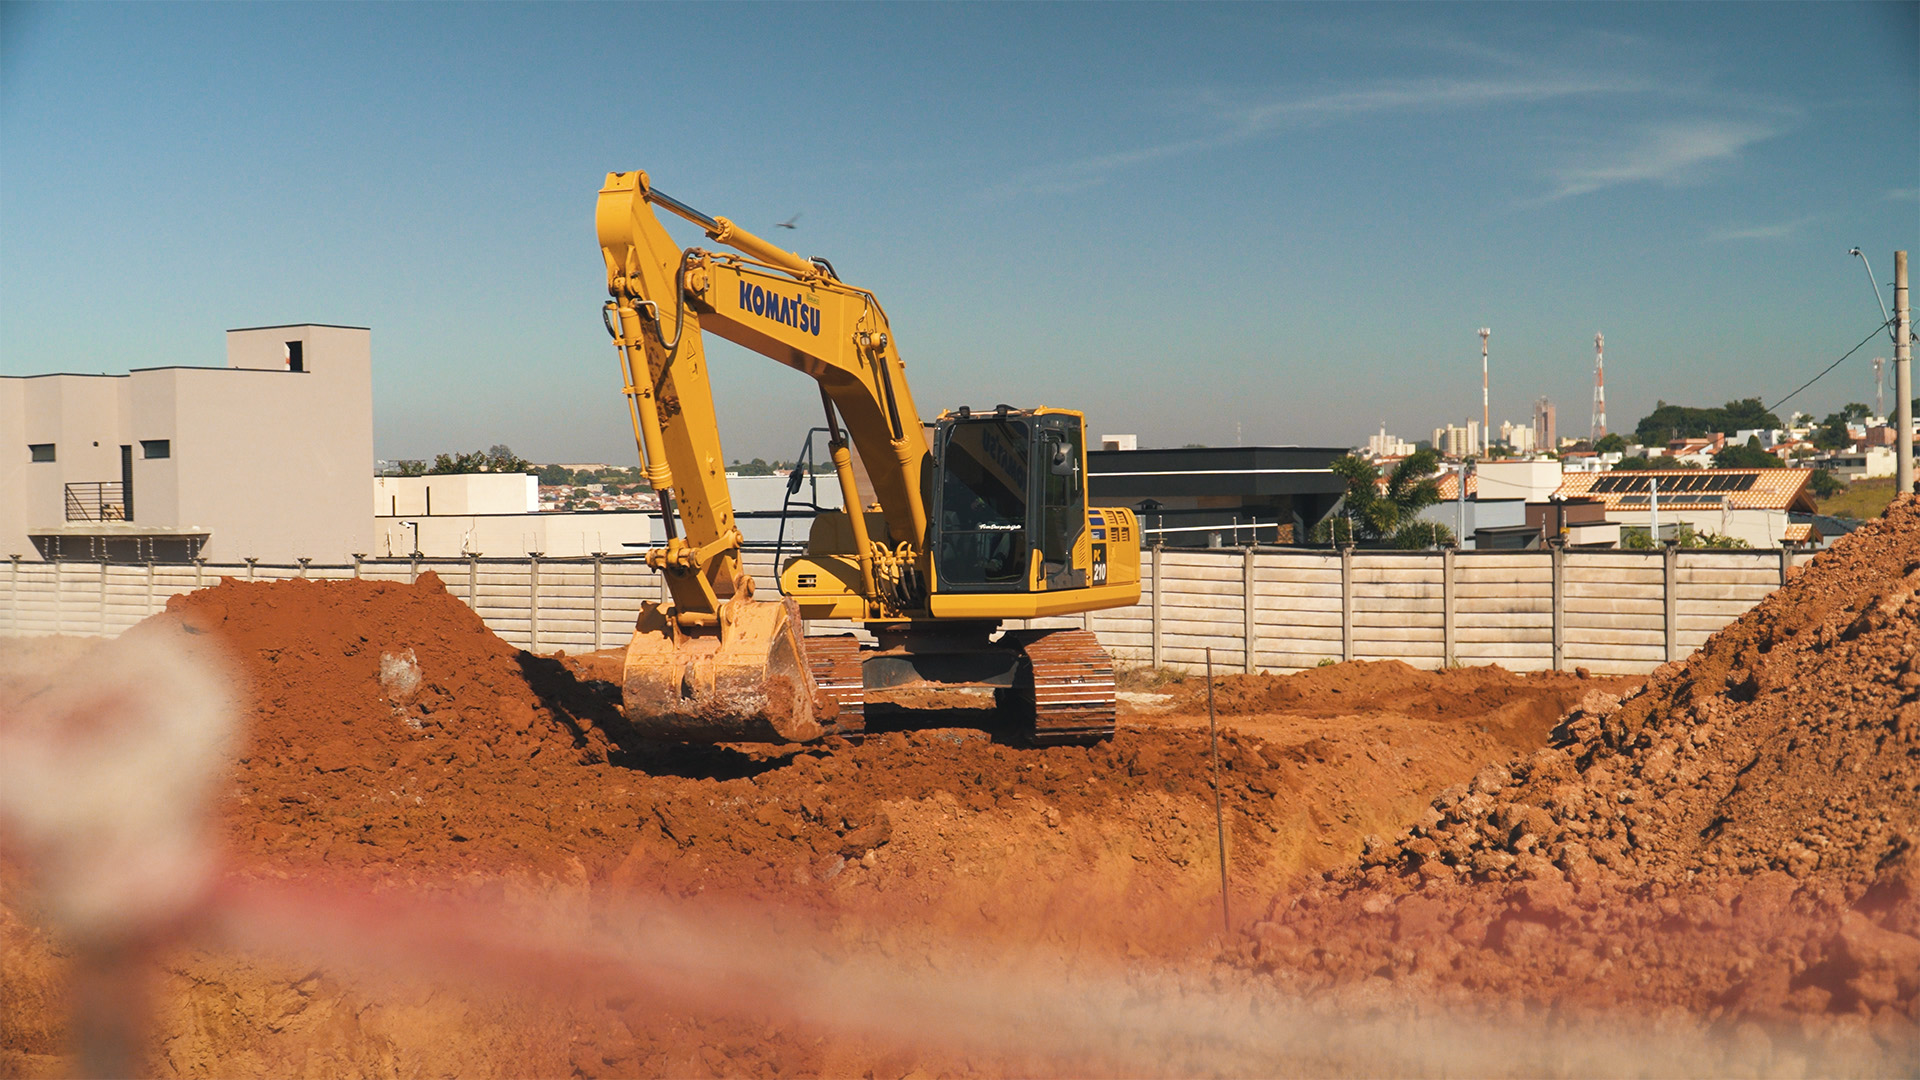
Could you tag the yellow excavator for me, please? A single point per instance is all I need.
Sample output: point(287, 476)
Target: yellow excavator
point(978, 518)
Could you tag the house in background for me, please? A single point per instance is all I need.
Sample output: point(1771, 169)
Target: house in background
point(267, 457)
point(1748, 504)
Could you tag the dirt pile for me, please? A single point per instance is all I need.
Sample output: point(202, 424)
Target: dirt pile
point(1736, 839)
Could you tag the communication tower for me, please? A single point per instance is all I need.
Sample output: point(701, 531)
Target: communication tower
point(1486, 414)
point(1599, 391)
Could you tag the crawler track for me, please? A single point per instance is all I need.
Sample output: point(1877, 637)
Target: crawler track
point(1063, 688)
point(835, 662)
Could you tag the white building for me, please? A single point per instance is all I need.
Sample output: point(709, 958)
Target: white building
point(1528, 481)
point(1517, 436)
point(1864, 464)
point(1455, 441)
point(267, 457)
point(1384, 445)
point(494, 515)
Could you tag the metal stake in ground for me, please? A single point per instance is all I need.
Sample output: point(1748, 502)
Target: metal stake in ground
point(1219, 817)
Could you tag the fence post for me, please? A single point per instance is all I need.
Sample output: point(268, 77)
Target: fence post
point(1786, 562)
point(103, 597)
point(149, 588)
point(533, 601)
point(13, 594)
point(473, 581)
point(1155, 610)
point(1559, 575)
point(1246, 607)
point(59, 599)
point(413, 568)
point(357, 556)
point(1346, 603)
point(251, 559)
point(1449, 653)
point(199, 571)
point(596, 601)
point(1671, 561)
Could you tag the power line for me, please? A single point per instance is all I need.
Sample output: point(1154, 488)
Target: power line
point(1830, 367)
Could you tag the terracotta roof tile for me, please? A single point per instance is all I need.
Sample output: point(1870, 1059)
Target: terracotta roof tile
point(1771, 489)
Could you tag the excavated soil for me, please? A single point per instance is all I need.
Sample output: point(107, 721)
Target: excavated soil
point(1735, 841)
point(1728, 847)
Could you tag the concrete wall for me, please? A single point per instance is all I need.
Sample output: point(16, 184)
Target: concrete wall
point(1260, 609)
point(558, 535)
point(457, 493)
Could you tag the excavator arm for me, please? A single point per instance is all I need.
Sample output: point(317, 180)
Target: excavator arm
point(694, 662)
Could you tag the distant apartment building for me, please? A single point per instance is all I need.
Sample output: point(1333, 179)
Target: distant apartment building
point(1544, 435)
point(267, 457)
point(1519, 437)
point(1384, 445)
point(1455, 441)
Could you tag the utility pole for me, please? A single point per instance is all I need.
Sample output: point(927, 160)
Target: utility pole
point(1486, 414)
point(1902, 378)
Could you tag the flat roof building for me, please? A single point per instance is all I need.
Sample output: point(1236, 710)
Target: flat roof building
point(267, 457)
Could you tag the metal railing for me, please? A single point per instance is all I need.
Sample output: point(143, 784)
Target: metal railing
point(103, 500)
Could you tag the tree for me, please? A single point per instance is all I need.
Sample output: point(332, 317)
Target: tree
point(1667, 422)
point(1640, 538)
point(1662, 461)
point(410, 467)
point(1369, 514)
point(555, 475)
point(1750, 456)
point(1825, 485)
point(497, 459)
point(1610, 443)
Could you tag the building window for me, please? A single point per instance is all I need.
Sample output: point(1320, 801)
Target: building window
point(296, 356)
point(156, 448)
point(40, 451)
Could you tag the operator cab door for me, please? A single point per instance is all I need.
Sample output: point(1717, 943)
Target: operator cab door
point(1062, 511)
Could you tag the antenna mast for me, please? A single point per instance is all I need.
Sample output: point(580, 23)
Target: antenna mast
point(1486, 415)
point(1599, 391)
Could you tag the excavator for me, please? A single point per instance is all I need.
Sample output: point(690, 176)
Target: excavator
point(978, 518)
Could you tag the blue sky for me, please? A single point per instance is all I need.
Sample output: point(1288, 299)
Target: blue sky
point(1199, 223)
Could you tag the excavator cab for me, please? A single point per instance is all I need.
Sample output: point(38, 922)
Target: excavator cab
point(1010, 500)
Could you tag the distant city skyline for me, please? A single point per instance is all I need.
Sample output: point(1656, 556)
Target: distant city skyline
point(1282, 220)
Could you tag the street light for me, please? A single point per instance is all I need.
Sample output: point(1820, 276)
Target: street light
point(1891, 332)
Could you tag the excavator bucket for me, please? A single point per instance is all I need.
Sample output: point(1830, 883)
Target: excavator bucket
point(747, 682)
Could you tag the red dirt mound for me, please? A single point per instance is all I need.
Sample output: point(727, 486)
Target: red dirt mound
point(1737, 839)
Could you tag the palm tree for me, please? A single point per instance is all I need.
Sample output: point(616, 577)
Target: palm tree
point(1370, 514)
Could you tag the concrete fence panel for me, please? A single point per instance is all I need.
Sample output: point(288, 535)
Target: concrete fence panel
point(1257, 609)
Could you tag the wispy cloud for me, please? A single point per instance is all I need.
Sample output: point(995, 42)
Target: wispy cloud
point(1239, 123)
point(1779, 231)
point(1903, 194)
point(1671, 154)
